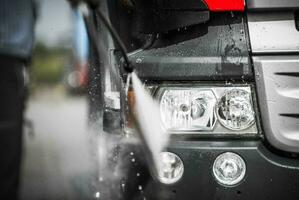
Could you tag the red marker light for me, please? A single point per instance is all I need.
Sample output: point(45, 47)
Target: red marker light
point(225, 5)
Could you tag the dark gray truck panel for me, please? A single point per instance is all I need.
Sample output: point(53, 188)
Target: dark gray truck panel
point(217, 50)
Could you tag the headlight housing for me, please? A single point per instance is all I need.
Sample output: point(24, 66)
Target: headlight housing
point(207, 109)
point(234, 109)
point(202, 110)
point(187, 109)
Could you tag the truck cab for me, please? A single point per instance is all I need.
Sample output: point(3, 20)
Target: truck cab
point(226, 76)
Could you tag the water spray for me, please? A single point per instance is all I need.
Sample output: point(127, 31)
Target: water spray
point(150, 148)
point(152, 137)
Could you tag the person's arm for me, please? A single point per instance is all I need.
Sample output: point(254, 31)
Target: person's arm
point(90, 2)
point(36, 8)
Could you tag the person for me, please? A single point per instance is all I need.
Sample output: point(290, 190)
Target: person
point(17, 21)
point(78, 77)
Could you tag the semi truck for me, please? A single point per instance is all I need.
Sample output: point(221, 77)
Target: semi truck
point(226, 76)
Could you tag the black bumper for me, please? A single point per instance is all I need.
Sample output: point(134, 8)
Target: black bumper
point(268, 176)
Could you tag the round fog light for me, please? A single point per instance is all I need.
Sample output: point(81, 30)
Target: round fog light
point(171, 168)
point(229, 169)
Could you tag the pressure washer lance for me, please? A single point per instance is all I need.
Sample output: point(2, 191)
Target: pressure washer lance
point(91, 29)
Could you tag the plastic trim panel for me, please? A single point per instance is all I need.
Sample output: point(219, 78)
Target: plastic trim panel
point(277, 79)
point(273, 32)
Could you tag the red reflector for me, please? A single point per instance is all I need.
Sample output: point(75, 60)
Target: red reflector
point(225, 5)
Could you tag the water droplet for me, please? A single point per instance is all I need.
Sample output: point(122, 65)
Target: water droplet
point(132, 154)
point(138, 174)
point(123, 186)
point(115, 158)
point(133, 160)
point(138, 60)
point(97, 195)
point(140, 187)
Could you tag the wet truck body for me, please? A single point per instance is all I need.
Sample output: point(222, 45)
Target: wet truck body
point(215, 50)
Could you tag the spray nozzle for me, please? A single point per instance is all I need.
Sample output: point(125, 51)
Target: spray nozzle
point(128, 67)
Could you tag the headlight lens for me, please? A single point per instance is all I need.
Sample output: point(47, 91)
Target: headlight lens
point(207, 109)
point(171, 168)
point(234, 110)
point(229, 169)
point(187, 109)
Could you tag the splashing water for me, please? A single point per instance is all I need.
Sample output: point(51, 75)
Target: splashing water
point(149, 120)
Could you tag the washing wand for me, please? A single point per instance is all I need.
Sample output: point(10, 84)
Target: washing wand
point(128, 67)
point(95, 6)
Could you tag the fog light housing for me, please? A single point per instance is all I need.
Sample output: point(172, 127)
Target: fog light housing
point(171, 168)
point(229, 169)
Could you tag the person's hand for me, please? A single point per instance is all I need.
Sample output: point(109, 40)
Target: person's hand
point(90, 2)
point(73, 2)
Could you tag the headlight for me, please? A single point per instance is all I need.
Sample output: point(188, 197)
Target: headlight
point(234, 110)
point(171, 168)
point(207, 109)
point(203, 110)
point(187, 109)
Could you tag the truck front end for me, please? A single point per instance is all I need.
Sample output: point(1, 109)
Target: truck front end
point(226, 77)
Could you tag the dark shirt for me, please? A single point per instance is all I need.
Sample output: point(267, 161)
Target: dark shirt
point(17, 20)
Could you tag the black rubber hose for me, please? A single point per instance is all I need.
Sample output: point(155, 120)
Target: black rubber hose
point(128, 66)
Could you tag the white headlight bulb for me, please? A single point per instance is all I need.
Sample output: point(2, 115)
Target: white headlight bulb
point(171, 168)
point(229, 169)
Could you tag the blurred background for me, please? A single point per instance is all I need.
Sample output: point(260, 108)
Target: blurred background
point(60, 46)
point(57, 163)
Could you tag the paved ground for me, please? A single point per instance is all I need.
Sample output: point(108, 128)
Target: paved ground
point(57, 163)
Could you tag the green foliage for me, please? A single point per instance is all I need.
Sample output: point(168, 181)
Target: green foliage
point(48, 64)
